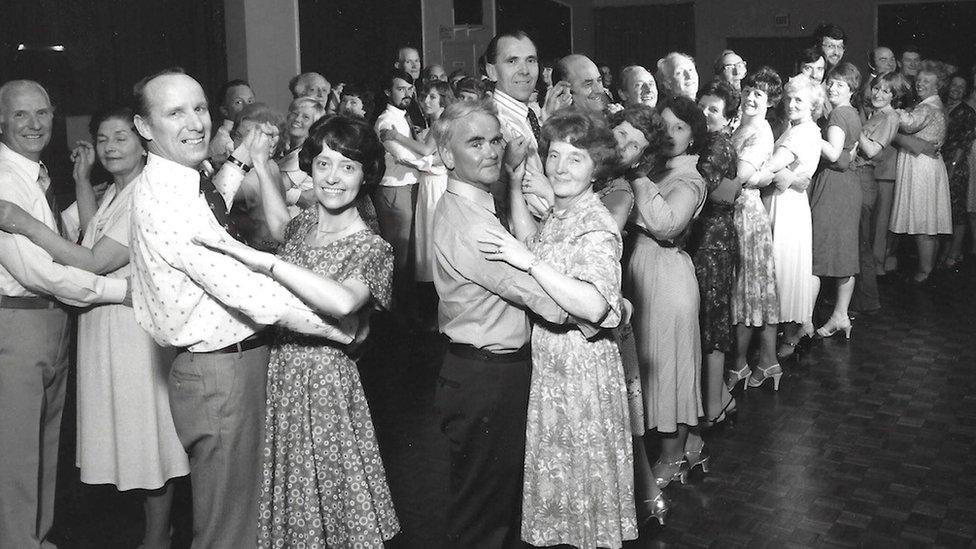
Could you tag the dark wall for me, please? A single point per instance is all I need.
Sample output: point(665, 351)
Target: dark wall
point(643, 34)
point(941, 30)
point(547, 22)
point(356, 40)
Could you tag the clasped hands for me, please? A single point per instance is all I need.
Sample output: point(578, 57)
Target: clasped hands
point(258, 142)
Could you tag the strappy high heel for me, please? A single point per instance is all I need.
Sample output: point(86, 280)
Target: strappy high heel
point(733, 377)
point(701, 456)
point(775, 371)
point(664, 473)
point(656, 508)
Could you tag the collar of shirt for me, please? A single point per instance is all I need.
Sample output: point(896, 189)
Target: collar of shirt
point(181, 180)
point(471, 193)
point(683, 162)
point(509, 103)
point(394, 112)
point(31, 169)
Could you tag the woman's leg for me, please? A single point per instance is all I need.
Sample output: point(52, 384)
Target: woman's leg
point(767, 345)
point(926, 255)
point(954, 251)
point(743, 337)
point(972, 233)
point(882, 216)
point(673, 446)
point(714, 383)
point(158, 505)
point(644, 486)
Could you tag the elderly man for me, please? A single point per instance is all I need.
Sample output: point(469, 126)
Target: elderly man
point(637, 87)
point(483, 392)
point(397, 193)
point(34, 332)
point(585, 84)
point(678, 75)
point(881, 60)
point(206, 304)
point(310, 84)
point(730, 68)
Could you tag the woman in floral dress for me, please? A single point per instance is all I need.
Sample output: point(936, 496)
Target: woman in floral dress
point(578, 487)
point(324, 483)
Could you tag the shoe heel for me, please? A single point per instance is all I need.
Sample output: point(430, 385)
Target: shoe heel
point(848, 330)
point(776, 381)
point(704, 464)
point(683, 477)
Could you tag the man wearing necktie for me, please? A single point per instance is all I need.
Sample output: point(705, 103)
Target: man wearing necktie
point(208, 305)
point(34, 331)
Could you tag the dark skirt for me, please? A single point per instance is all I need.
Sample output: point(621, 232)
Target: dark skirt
point(715, 252)
point(835, 210)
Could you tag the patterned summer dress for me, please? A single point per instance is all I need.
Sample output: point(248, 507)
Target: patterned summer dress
point(324, 484)
point(755, 301)
point(579, 480)
point(921, 204)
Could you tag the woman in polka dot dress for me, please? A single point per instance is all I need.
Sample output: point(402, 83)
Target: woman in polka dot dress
point(324, 484)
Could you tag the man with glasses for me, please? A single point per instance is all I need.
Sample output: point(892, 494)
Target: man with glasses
point(831, 40)
point(730, 68)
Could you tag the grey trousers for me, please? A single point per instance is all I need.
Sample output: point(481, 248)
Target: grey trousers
point(395, 213)
point(33, 373)
point(218, 404)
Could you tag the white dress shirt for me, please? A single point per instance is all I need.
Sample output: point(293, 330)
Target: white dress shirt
point(513, 116)
point(25, 268)
point(399, 172)
point(186, 295)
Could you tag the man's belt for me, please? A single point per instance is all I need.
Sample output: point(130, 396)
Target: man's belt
point(471, 352)
point(27, 302)
point(259, 339)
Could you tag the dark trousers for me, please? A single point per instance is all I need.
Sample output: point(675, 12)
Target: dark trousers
point(482, 408)
point(33, 376)
point(395, 215)
point(865, 296)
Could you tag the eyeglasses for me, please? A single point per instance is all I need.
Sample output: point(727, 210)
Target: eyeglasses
point(741, 65)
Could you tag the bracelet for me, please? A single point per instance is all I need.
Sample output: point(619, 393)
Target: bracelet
point(244, 167)
point(535, 261)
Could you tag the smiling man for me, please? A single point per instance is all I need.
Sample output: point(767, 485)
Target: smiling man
point(637, 87)
point(584, 80)
point(482, 397)
point(208, 305)
point(34, 331)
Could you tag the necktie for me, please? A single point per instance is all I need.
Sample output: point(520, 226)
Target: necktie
point(534, 122)
point(217, 206)
point(44, 182)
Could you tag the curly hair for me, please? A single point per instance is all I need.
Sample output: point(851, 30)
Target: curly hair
point(689, 113)
point(723, 90)
point(814, 91)
point(767, 81)
point(717, 159)
point(352, 138)
point(585, 130)
point(649, 122)
point(901, 90)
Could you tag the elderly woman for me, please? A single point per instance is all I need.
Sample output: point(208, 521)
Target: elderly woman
point(578, 487)
point(875, 169)
point(302, 113)
point(678, 75)
point(835, 197)
point(956, 150)
point(730, 68)
point(921, 204)
point(661, 283)
point(755, 301)
point(324, 482)
point(126, 435)
point(792, 165)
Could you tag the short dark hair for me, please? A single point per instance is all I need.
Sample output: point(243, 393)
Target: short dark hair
point(687, 111)
point(724, 91)
point(140, 103)
point(828, 30)
point(717, 159)
point(470, 84)
point(583, 129)
point(491, 51)
point(559, 70)
point(911, 48)
point(350, 137)
point(364, 95)
point(393, 75)
point(121, 112)
point(768, 80)
point(222, 92)
point(848, 73)
point(649, 122)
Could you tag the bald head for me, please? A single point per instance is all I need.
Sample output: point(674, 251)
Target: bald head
point(637, 87)
point(26, 117)
point(883, 60)
point(584, 81)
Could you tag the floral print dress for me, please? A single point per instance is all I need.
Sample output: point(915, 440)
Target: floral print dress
point(578, 487)
point(324, 484)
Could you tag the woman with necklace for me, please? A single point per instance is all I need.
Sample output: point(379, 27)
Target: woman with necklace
point(126, 435)
point(324, 483)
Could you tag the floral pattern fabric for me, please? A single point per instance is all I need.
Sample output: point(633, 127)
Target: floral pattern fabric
point(959, 140)
point(715, 253)
point(324, 484)
point(578, 487)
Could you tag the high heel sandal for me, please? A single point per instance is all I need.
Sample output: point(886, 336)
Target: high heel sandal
point(828, 329)
point(728, 414)
point(677, 470)
point(775, 371)
point(656, 508)
point(798, 347)
point(701, 456)
point(733, 377)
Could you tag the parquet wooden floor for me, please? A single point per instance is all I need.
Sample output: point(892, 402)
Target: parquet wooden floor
point(869, 443)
